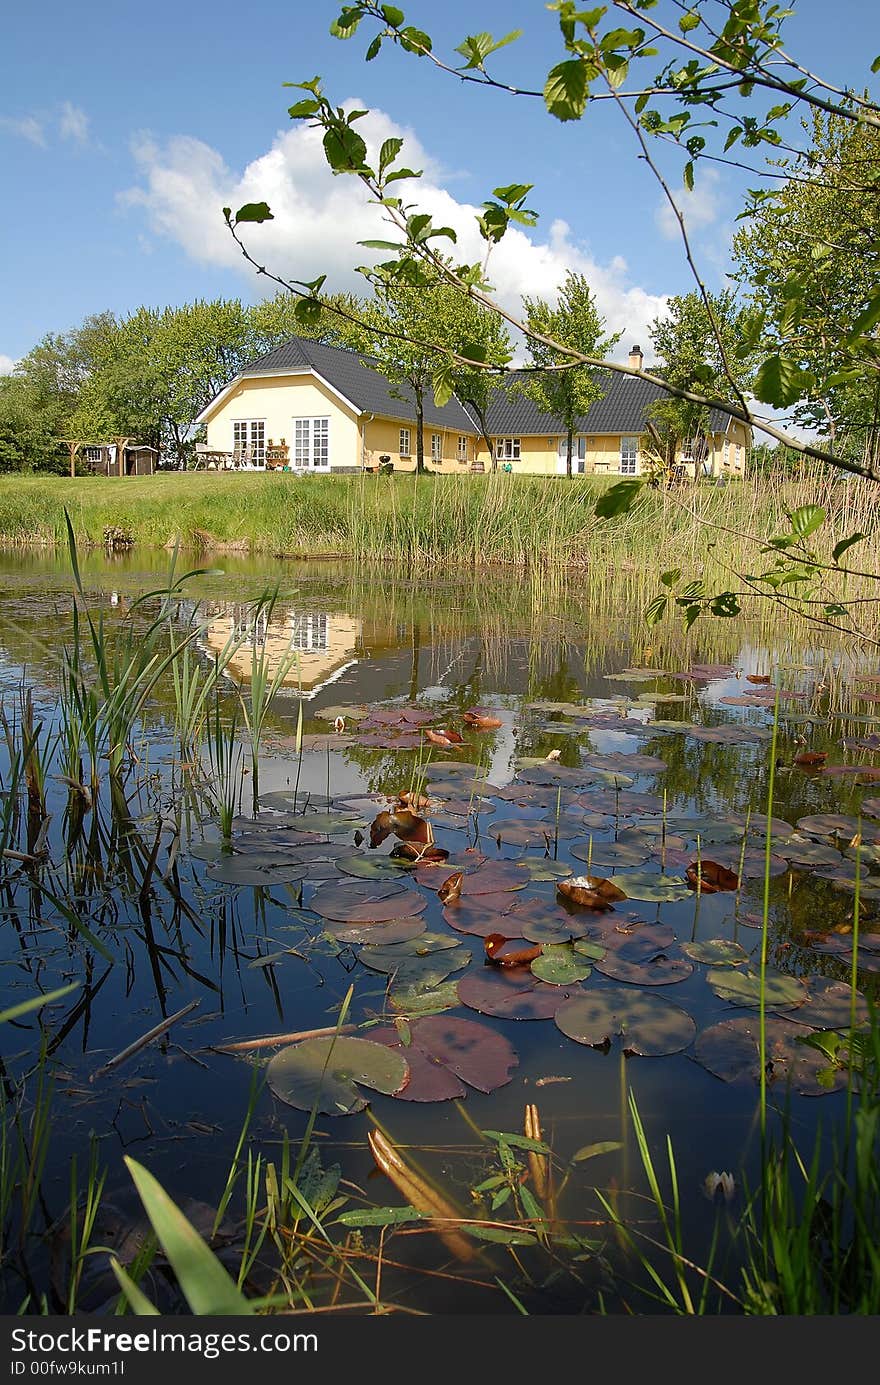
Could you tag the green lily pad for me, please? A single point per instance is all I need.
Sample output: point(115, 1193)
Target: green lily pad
point(587, 948)
point(717, 952)
point(744, 988)
point(349, 713)
point(611, 855)
point(394, 931)
point(648, 1025)
point(560, 966)
point(429, 959)
point(541, 868)
point(419, 997)
point(652, 888)
point(328, 1071)
point(247, 870)
point(375, 867)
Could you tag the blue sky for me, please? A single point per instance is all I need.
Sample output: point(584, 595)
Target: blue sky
point(125, 127)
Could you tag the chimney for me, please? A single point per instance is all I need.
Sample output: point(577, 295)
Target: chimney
point(635, 357)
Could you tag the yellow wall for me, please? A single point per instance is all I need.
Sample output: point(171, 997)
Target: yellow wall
point(310, 670)
point(382, 438)
point(539, 456)
point(278, 400)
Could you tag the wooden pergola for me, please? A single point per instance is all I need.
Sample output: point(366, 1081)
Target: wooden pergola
point(119, 441)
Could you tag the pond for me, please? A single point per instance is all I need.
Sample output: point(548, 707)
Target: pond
point(438, 760)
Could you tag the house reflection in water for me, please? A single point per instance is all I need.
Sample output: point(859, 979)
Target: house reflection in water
point(326, 642)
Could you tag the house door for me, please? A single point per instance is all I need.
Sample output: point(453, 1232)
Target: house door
point(578, 456)
point(311, 443)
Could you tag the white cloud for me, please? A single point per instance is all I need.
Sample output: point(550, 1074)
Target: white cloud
point(7, 364)
point(27, 127)
point(73, 123)
point(319, 218)
point(699, 207)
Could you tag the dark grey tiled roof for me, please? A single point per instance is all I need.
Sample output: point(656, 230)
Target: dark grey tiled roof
point(622, 409)
point(359, 382)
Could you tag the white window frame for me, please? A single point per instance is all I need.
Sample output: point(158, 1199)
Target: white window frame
point(309, 630)
point(249, 439)
point(311, 443)
point(436, 447)
point(508, 449)
point(405, 443)
point(725, 452)
point(629, 456)
point(737, 456)
point(462, 447)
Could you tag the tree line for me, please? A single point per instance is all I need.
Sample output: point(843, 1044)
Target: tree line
point(805, 263)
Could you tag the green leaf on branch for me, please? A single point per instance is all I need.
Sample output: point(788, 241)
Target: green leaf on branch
point(806, 520)
point(300, 110)
point(865, 321)
point(670, 578)
point(725, 604)
point(566, 89)
point(345, 150)
point(392, 15)
point(656, 609)
point(840, 548)
point(389, 152)
point(779, 381)
point(688, 176)
point(618, 499)
point(477, 47)
point(254, 211)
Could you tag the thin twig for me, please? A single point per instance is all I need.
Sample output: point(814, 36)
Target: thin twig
point(156, 1032)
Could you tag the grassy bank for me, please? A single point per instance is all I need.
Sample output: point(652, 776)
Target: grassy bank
point(470, 521)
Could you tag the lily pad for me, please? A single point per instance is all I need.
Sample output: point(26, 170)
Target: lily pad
point(837, 825)
point(781, 992)
point(648, 1025)
point(634, 763)
point(394, 931)
point(419, 997)
point(445, 1052)
point(717, 952)
point(246, 870)
point(649, 887)
point(512, 994)
point(366, 901)
point(559, 965)
point(611, 855)
point(428, 959)
point(829, 1006)
point(326, 1073)
point(375, 867)
point(731, 1050)
point(541, 868)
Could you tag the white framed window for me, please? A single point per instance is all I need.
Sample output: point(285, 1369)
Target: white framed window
point(436, 447)
point(309, 631)
point(311, 443)
point(462, 448)
point(507, 449)
point(249, 440)
point(737, 456)
point(403, 450)
point(629, 456)
point(93, 454)
point(725, 453)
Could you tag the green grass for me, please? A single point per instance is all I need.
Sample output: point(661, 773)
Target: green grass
point(466, 521)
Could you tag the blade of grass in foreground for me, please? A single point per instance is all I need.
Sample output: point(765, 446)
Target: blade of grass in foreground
point(204, 1281)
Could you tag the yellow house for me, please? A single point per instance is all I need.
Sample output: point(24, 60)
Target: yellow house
point(326, 643)
point(316, 408)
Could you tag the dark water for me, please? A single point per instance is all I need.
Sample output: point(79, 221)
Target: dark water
point(533, 656)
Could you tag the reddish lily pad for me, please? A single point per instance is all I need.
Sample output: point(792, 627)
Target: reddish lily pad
point(327, 1072)
point(590, 891)
point(445, 1052)
point(829, 1006)
point(366, 901)
point(512, 994)
point(829, 825)
point(731, 1050)
point(648, 1025)
point(709, 877)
